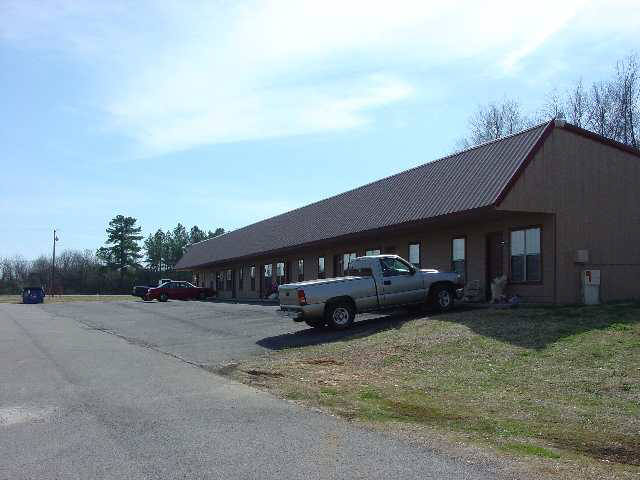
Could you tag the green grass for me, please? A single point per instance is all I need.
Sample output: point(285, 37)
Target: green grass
point(562, 376)
point(526, 449)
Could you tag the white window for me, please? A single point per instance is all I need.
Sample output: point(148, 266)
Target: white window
point(414, 254)
point(346, 259)
point(320, 267)
point(526, 261)
point(376, 251)
point(458, 256)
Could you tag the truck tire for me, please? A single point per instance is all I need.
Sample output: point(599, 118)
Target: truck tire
point(202, 296)
point(339, 315)
point(316, 323)
point(163, 297)
point(442, 298)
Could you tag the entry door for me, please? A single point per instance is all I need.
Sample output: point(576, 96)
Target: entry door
point(495, 259)
point(233, 283)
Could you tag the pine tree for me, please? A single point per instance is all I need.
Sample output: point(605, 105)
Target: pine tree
point(122, 248)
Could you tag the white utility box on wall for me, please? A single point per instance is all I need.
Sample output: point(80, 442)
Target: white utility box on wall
point(591, 287)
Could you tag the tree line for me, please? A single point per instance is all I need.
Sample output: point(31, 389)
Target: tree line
point(608, 107)
point(124, 261)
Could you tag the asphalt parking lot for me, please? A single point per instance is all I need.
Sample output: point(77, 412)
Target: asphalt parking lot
point(114, 390)
point(212, 334)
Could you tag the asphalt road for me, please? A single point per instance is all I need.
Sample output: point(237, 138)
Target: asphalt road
point(113, 390)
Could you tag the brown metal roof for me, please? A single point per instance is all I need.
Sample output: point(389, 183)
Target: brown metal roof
point(467, 180)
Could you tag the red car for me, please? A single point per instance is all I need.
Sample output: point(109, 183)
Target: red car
point(177, 291)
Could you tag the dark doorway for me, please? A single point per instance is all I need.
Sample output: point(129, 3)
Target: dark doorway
point(234, 293)
point(495, 259)
point(337, 265)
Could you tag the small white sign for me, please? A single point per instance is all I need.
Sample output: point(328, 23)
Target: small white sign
point(592, 277)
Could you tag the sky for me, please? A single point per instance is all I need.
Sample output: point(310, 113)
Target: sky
point(221, 113)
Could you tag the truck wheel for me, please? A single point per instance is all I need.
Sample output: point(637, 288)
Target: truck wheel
point(316, 323)
point(442, 298)
point(340, 315)
point(163, 297)
point(202, 296)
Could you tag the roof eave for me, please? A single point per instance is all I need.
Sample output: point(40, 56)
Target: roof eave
point(343, 238)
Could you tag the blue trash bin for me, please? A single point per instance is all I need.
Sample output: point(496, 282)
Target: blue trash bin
point(33, 295)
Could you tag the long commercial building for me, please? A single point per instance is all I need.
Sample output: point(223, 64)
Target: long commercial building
point(541, 206)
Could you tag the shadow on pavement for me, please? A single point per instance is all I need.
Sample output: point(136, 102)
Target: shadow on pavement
point(361, 328)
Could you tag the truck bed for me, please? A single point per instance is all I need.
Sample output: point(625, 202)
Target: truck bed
point(317, 291)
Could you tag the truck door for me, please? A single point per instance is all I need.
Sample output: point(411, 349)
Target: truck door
point(399, 284)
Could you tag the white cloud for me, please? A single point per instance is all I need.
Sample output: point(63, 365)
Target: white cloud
point(174, 75)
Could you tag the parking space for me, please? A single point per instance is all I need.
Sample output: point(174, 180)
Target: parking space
point(204, 333)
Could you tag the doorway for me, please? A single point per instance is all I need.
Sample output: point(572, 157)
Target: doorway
point(234, 292)
point(495, 259)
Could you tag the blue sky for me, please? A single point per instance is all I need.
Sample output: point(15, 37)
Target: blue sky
point(225, 113)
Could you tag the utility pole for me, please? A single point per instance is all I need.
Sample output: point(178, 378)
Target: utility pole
point(53, 265)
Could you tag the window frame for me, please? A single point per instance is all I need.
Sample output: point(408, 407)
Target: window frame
point(252, 277)
point(322, 274)
point(300, 270)
point(228, 276)
point(466, 260)
point(353, 254)
point(527, 282)
point(419, 244)
point(284, 272)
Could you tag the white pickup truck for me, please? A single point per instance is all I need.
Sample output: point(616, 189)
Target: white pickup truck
point(371, 283)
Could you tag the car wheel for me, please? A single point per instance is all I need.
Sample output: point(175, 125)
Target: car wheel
point(163, 297)
point(340, 315)
point(202, 296)
point(442, 298)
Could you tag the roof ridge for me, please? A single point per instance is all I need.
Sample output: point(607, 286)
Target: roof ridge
point(431, 162)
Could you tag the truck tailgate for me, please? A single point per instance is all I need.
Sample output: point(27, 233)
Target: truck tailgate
point(288, 294)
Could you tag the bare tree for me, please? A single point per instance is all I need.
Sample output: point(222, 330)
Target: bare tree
point(610, 108)
point(577, 105)
point(626, 94)
point(553, 107)
point(493, 121)
point(600, 110)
